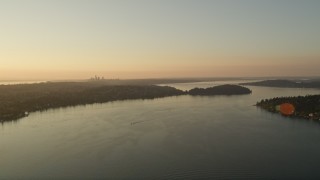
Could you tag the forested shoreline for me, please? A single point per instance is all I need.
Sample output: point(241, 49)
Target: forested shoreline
point(281, 83)
point(306, 107)
point(17, 101)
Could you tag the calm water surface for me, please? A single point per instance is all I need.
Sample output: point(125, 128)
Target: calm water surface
point(169, 138)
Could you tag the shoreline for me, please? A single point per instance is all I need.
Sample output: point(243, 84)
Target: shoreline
point(304, 107)
point(18, 101)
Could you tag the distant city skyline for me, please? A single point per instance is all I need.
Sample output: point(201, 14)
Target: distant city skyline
point(77, 39)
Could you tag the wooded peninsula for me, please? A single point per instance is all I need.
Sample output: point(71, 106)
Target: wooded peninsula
point(306, 107)
point(19, 100)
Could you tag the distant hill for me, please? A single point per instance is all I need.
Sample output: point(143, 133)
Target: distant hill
point(221, 90)
point(286, 84)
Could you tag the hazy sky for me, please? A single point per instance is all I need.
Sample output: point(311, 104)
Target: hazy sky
point(71, 39)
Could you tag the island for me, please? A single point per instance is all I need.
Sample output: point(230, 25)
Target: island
point(227, 89)
point(286, 83)
point(306, 107)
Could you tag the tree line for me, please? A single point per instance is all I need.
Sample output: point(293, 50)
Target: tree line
point(307, 107)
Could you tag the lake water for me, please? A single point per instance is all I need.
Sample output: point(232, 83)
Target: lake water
point(222, 137)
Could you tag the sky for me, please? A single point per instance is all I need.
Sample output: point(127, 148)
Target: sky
point(77, 39)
